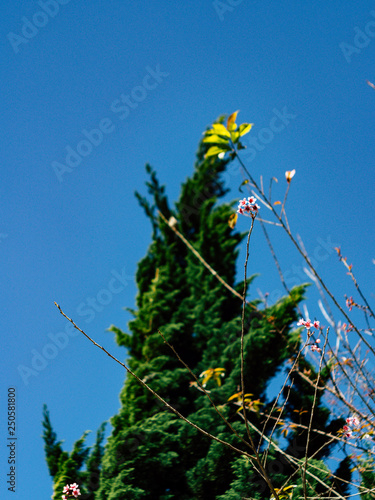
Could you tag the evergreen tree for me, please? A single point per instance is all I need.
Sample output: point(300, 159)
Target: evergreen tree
point(91, 476)
point(65, 468)
point(201, 319)
point(52, 447)
point(151, 453)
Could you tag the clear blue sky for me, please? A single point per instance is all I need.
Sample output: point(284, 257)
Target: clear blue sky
point(67, 237)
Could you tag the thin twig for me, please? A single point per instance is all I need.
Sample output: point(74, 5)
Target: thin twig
point(312, 416)
point(294, 461)
point(283, 206)
point(243, 327)
point(198, 255)
point(176, 412)
point(204, 390)
point(303, 255)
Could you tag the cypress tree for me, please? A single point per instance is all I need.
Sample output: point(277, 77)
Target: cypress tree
point(151, 453)
point(66, 468)
point(52, 447)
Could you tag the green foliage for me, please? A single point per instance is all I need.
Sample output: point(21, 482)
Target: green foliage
point(68, 467)
point(368, 477)
point(91, 476)
point(151, 454)
point(65, 468)
point(52, 447)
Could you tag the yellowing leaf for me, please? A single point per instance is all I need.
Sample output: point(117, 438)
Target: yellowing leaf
point(214, 373)
point(282, 495)
point(231, 122)
point(277, 203)
point(215, 139)
point(246, 181)
point(238, 395)
point(214, 151)
point(244, 128)
point(232, 220)
point(218, 128)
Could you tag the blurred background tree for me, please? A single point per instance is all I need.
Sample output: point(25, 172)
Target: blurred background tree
point(152, 454)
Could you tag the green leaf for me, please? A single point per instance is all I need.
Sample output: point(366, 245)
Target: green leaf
point(235, 136)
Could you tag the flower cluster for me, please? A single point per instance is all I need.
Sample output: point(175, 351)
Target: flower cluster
point(248, 206)
point(348, 429)
point(70, 491)
point(350, 303)
point(315, 347)
point(308, 324)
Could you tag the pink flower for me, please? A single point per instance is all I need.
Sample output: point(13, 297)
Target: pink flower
point(350, 303)
point(72, 491)
point(314, 347)
point(347, 432)
point(353, 421)
point(289, 174)
point(308, 323)
point(248, 206)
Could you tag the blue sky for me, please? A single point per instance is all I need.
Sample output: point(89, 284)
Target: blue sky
point(74, 234)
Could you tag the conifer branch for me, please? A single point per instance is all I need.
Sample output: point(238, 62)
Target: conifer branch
point(170, 407)
point(146, 386)
point(204, 391)
point(198, 255)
